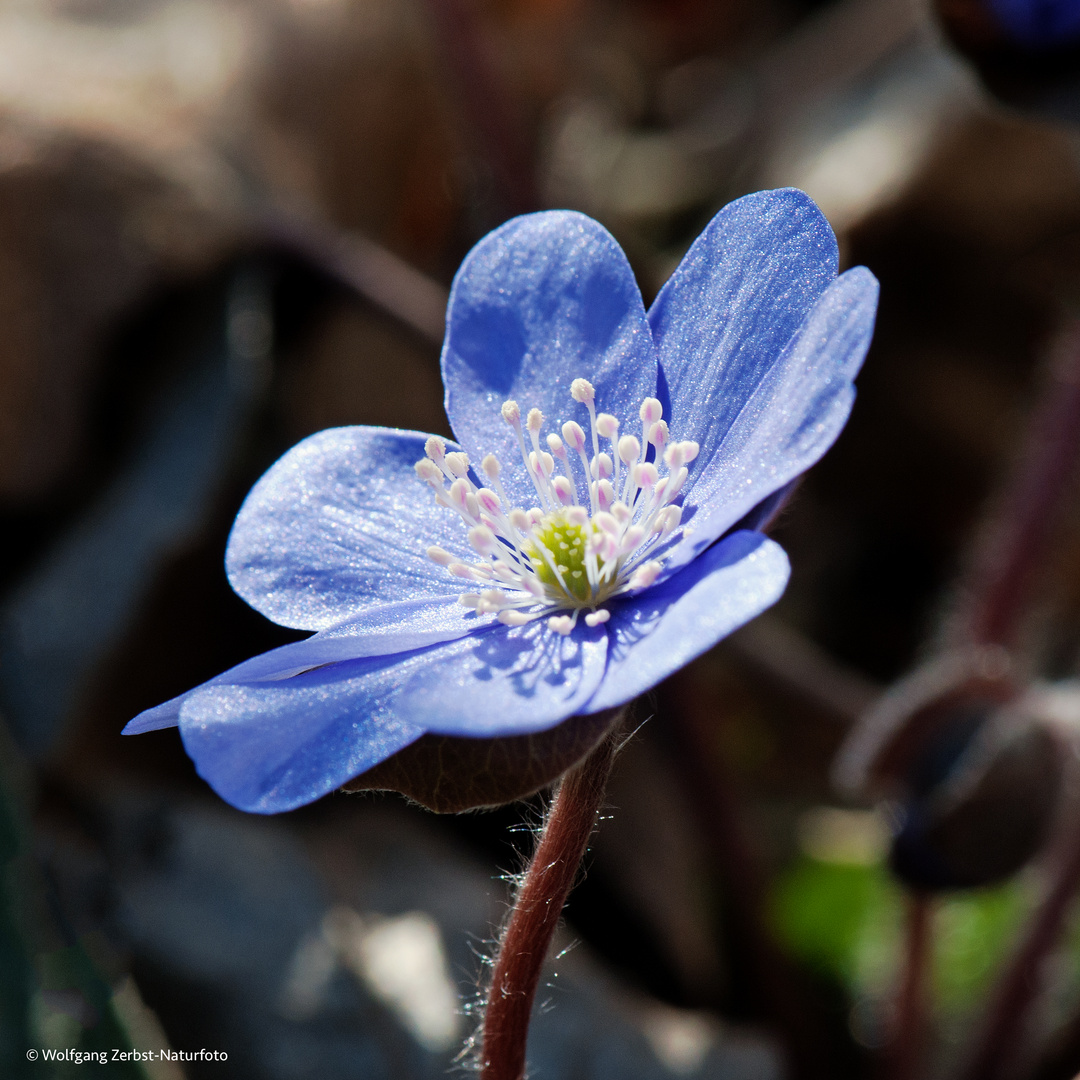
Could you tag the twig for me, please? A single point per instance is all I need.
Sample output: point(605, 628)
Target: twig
point(1011, 546)
point(910, 1028)
point(803, 668)
point(537, 907)
point(362, 265)
point(1010, 1005)
point(774, 982)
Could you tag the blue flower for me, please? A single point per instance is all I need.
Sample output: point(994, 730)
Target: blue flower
point(576, 545)
point(1039, 24)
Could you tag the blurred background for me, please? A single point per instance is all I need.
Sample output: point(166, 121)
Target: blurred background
point(227, 224)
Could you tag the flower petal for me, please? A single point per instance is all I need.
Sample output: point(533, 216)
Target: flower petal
point(678, 619)
point(507, 682)
point(791, 419)
point(341, 524)
point(731, 306)
point(543, 300)
point(273, 746)
point(390, 628)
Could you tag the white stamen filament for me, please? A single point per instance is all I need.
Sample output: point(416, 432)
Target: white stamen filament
point(560, 558)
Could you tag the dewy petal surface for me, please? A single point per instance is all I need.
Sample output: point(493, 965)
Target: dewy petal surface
point(340, 524)
point(681, 617)
point(506, 682)
point(271, 746)
point(792, 417)
point(390, 628)
point(268, 747)
point(541, 301)
point(725, 315)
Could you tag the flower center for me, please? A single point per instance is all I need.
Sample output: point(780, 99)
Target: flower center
point(598, 526)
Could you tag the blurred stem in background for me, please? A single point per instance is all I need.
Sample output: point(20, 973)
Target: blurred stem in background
point(912, 1005)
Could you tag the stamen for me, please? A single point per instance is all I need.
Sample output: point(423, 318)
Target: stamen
point(607, 425)
point(458, 464)
point(559, 559)
point(581, 390)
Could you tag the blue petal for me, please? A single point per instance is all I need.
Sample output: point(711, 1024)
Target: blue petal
point(507, 682)
point(339, 525)
point(678, 619)
point(543, 300)
point(274, 746)
point(734, 302)
point(792, 417)
point(1039, 23)
point(391, 628)
point(271, 746)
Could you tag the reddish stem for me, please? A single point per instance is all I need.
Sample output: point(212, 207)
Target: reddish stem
point(1011, 546)
point(537, 907)
point(1006, 1019)
point(911, 1020)
point(775, 985)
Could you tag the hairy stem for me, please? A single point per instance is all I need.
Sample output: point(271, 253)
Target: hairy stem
point(569, 824)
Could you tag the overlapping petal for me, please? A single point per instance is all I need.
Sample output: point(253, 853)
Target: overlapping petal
point(741, 292)
point(391, 628)
point(678, 619)
point(792, 417)
point(757, 342)
point(541, 301)
point(506, 682)
point(339, 525)
point(268, 747)
point(272, 745)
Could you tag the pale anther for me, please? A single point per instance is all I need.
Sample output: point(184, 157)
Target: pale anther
point(482, 539)
point(582, 390)
point(651, 410)
point(514, 618)
point(574, 435)
point(427, 470)
point(629, 449)
point(457, 463)
point(644, 575)
point(564, 557)
point(607, 425)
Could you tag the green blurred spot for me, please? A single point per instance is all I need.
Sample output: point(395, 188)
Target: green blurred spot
point(847, 922)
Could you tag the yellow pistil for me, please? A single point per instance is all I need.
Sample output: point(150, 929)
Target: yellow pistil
point(565, 543)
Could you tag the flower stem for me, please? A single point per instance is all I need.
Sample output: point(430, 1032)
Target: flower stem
point(909, 1035)
point(539, 902)
point(1004, 1026)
